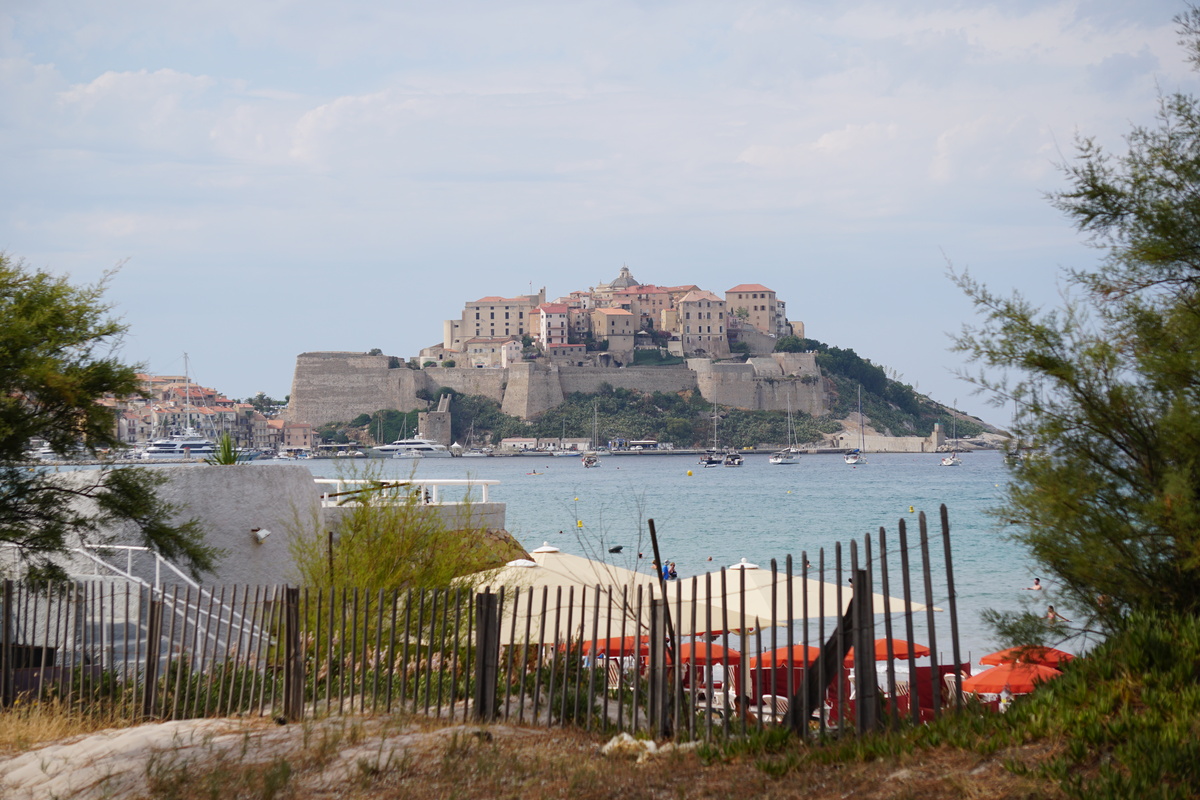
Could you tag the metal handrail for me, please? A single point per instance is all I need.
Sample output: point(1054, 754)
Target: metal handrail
point(431, 485)
point(128, 575)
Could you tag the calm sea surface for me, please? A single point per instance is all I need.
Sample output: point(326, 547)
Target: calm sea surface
point(757, 512)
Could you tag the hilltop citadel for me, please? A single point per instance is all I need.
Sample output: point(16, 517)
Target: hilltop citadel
point(527, 354)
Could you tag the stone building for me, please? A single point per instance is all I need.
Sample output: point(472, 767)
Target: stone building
point(702, 319)
point(492, 317)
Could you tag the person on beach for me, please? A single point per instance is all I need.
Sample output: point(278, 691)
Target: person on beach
point(1037, 586)
point(671, 573)
point(1053, 616)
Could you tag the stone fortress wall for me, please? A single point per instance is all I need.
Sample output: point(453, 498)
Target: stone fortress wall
point(338, 386)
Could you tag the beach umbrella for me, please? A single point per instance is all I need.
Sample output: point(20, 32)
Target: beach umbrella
point(900, 649)
point(754, 598)
point(797, 654)
point(1017, 678)
point(554, 596)
point(1029, 654)
point(618, 646)
point(706, 653)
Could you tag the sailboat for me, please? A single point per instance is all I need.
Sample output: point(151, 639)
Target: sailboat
point(713, 456)
point(953, 460)
point(790, 454)
point(856, 456)
point(592, 457)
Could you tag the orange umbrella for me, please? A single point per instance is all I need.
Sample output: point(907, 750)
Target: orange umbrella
point(618, 647)
point(704, 653)
point(1045, 656)
point(800, 655)
point(1017, 678)
point(900, 649)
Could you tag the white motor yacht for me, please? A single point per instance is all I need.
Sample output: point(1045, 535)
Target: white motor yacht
point(189, 444)
point(411, 448)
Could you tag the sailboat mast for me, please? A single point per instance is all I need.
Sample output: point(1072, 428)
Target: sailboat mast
point(862, 437)
point(187, 394)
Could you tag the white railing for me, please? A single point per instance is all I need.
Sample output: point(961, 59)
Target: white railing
point(342, 490)
point(223, 610)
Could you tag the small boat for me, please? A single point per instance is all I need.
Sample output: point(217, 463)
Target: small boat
point(474, 453)
point(733, 459)
point(856, 456)
point(590, 460)
point(786, 456)
point(713, 457)
point(789, 454)
point(953, 460)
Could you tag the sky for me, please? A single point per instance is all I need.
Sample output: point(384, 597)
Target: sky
point(286, 176)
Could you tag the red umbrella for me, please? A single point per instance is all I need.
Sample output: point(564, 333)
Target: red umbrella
point(1017, 678)
point(618, 647)
point(900, 649)
point(705, 653)
point(800, 655)
point(1044, 656)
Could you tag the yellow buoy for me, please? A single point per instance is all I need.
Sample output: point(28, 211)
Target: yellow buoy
point(578, 523)
point(910, 509)
point(689, 473)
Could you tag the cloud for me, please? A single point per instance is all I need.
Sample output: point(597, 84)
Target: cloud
point(473, 144)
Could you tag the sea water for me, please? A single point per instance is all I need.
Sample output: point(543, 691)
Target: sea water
point(709, 518)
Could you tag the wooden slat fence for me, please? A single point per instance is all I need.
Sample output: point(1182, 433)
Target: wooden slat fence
point(599, 657)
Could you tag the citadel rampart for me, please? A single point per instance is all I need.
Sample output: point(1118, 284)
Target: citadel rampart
point(338, 386)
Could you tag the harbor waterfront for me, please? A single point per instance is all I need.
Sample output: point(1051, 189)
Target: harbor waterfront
point(757, 512)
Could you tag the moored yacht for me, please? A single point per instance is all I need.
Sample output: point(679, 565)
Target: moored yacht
point(411, 448)
point(189, 444)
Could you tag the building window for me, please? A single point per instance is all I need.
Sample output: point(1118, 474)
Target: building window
point(492, 315)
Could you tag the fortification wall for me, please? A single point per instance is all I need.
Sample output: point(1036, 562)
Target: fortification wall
point(338, 386)
point(640, 379)
point(766, 383)
point(488, 382)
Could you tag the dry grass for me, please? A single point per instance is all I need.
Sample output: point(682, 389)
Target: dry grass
point(29, 724)
point(467, 762)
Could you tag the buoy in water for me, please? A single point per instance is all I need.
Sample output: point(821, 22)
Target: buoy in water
point(910, 509)
point(689, 473)
point(578, 523)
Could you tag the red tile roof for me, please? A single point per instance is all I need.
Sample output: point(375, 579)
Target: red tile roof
point(749, 287)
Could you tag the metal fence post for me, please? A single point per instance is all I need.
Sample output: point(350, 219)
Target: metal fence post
point(487, 655)
point(293, 660)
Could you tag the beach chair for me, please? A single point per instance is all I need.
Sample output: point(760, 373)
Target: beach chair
point(774, 708)
point(614, 672)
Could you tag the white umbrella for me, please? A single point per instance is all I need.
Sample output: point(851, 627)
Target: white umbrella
point(757, 598)
point(558, 595)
